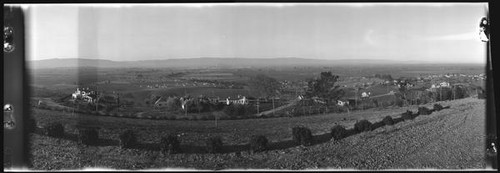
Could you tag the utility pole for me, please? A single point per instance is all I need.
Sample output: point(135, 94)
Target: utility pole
point(356, 97)
point(440, 94)
point(273, 106)
point(257, 104)
point(453, 91)
point(97, 102)
point(216, 125)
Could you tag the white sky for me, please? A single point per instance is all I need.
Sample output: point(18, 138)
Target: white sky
point(429, 32)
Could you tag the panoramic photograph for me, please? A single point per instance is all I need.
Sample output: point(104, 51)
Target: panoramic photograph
point(257, 86)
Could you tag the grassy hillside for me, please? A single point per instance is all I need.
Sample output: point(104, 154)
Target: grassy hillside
point(449, 139)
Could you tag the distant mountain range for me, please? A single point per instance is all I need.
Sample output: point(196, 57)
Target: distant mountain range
point(209, 63)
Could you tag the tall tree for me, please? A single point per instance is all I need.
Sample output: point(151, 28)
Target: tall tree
point(324, 87)
point(266, 86)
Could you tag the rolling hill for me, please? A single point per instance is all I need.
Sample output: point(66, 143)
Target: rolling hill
point(206, 62)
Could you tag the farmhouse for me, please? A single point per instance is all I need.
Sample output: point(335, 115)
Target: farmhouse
point(241, 101)
point(342, 103)
point(444, 84)
point(84, 94)
point(365, 95)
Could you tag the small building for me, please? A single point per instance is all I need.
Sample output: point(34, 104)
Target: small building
point(84, 94)
point(241, 101)
point(365, 95)
point(342, 103)
point(444, 84)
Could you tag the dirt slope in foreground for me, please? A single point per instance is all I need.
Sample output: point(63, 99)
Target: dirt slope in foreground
point(449, 139)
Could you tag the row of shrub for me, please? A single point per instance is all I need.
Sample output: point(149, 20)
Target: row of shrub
point(169, 144)
point(338, 132)
point(408, 115)
point(301, 135)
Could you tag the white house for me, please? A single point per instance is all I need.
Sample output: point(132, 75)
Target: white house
point(242, 101)
point(84, 94)
point(365, 95)
point(342, 103)
point(444, 84)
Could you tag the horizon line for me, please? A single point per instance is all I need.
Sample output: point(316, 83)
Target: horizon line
point(344, 59)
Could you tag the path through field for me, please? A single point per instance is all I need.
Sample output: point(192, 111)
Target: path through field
point(292, 103)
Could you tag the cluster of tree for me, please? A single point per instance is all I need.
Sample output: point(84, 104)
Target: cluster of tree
point(413, 97)
point(455, 92)
point(384, 76)
point(202, 104)
point(324, 87)
point(237, 110)
point(192, 105)
point(266, 86)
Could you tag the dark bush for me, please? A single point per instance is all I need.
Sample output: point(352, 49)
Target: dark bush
point(338, 132)
point(128, 139)
point(388, 120)
point(377, 125)
point(88, 136)
point(408, 115)
point(170, 144)
point(438, 107)
point(302, 135)
point(363, 125)
point(258, 143)
point(424, 111)
point(55, 130)
point(214, 145)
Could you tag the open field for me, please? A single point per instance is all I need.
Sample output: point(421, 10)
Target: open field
point(449, 139)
